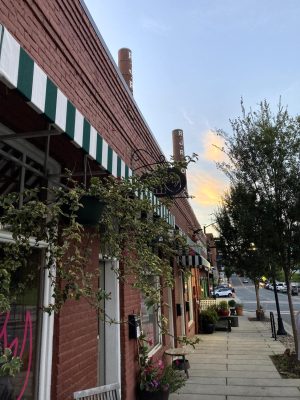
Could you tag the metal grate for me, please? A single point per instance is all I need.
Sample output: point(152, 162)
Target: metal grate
point(108, 392)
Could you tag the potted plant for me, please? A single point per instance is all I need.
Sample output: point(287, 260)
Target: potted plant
point(156, 380)
point(9, 367)
point(209, 318)
point(223, 309)
point(86, 205)
point(232, 304)
point(239, 307)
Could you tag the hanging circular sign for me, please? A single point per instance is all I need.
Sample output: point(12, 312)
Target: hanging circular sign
point(175, 184)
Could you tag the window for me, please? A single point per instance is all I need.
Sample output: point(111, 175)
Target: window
point(149, 321)
point(188, 298)
point(20, 326)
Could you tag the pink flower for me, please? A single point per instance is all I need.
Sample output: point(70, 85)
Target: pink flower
point(160, 364)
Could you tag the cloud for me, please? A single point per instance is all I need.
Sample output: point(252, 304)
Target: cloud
point(187, 117)
point(154, 26)
point(207, 187)
point(211, 145)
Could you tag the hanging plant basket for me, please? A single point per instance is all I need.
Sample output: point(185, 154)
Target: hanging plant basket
point(91, 211)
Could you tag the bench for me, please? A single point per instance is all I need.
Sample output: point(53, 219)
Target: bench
point(107, 392)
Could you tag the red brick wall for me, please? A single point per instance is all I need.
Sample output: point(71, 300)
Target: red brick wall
point(60, 38)
point(75, 343)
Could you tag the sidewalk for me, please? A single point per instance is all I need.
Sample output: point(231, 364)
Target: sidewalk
point(236, 366)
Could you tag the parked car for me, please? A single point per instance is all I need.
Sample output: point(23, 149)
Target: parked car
point(245, 280)
point(281, 287)
point(294, 289)
point(269, 286)
point(223, 292)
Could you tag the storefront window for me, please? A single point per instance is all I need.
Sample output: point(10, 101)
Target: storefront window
point(149, 321)
point(188, 297)
point(19, 329)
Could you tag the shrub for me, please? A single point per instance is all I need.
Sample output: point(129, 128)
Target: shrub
point(232, 303)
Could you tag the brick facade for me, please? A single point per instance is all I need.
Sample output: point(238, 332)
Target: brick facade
point(60, 38)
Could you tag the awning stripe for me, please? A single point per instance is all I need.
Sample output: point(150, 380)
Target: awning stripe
point(189, 261)
point(18, 70)
point(193, 261)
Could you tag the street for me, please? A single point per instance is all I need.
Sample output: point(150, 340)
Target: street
point(245, 293)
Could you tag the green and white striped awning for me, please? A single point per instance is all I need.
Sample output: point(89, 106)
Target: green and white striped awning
point(19, 71)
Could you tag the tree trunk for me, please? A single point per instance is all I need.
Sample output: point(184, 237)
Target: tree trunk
point(291, 307)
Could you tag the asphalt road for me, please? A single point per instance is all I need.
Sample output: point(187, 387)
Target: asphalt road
point(245, 294)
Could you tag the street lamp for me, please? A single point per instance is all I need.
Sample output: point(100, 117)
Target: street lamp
point(206, 226)
point(281, 330)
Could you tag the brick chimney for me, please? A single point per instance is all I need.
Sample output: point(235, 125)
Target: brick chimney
point(125, 66)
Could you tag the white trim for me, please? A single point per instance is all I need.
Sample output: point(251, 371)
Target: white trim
point(45, 371)
point(182, 306)
point(155, 349)
point(112, 331)
point(171, 320)
point(6, 237)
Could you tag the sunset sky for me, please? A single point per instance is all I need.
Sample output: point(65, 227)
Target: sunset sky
point(194, 60)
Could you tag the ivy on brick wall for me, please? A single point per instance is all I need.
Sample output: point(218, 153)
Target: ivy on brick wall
point(130, 229)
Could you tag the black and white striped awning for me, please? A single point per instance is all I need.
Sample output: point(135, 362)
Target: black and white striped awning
point(193, 261)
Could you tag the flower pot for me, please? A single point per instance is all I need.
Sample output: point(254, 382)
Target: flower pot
point(234, 321)
point(6, 388)
point(239, 310)
point(208, 328)
point(181, 365)
point(161, 395)
point(223, 313)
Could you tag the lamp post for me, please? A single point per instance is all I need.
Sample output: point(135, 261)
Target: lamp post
point(206, 226)
point(280, 330)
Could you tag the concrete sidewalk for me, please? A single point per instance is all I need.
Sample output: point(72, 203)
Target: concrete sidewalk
point(236, 366)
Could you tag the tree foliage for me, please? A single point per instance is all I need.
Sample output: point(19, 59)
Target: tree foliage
point(264, 157)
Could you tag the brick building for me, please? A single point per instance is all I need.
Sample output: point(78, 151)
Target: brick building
point(56, 73)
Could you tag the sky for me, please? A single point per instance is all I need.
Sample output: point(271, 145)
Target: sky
point(194, 60)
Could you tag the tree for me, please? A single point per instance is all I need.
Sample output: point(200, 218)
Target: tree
point(264, 155)
point(240, 227)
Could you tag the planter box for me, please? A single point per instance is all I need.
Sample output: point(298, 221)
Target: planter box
point(234, 321)
point(144, 395)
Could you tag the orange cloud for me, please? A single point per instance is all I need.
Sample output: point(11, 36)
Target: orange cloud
point(208, 188)
point(211, 145)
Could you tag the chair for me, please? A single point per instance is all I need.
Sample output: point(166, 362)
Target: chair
point(107, 392)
